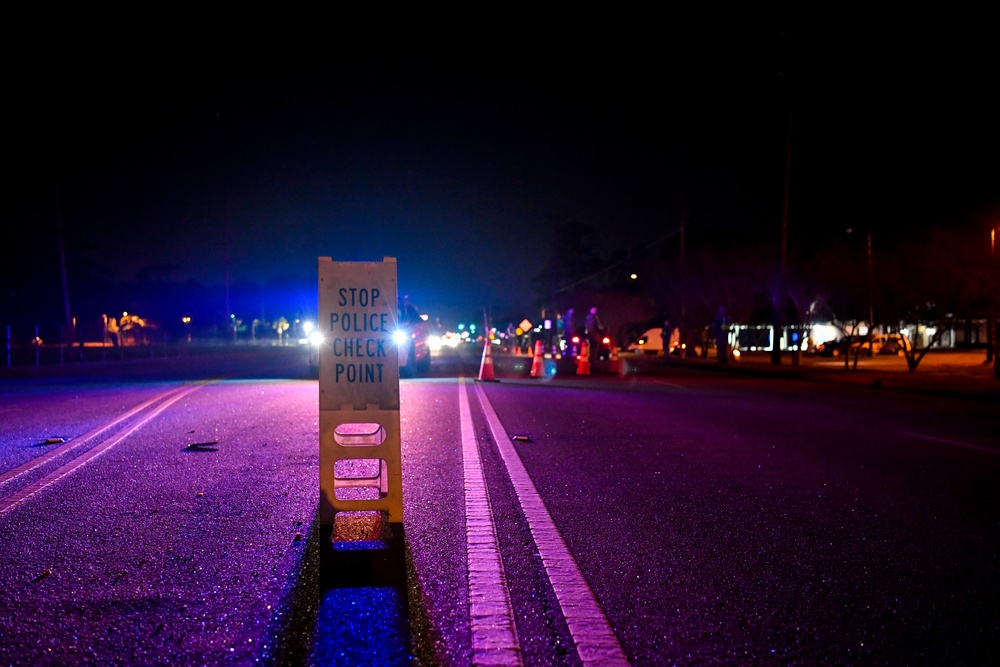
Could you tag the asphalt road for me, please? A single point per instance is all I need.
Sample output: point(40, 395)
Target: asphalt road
point(154, 521)
point(741, 521)
point(675, 517)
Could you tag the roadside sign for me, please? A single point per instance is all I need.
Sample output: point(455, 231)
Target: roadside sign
point(359, 457)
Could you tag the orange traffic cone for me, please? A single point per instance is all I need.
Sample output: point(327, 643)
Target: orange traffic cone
point(615, 364)
point(538, 363)
point(486, 367)
point(583, 361)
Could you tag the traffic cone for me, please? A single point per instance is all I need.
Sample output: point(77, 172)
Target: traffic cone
point(615, 364)
point(538, 363)
point(583, 361)
point(486, 367)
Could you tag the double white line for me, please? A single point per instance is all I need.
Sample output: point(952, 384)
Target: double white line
point(494, 633)
point(10, 501)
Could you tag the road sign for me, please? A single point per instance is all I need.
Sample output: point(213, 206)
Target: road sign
point(359, 435)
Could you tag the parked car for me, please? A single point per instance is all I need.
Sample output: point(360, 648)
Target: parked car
point(836, 347)
point(892, 343)
point(831, 348)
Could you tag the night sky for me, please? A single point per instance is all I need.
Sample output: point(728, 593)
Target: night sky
point(180, 152)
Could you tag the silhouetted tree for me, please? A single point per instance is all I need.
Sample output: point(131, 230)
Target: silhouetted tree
point(934, 281)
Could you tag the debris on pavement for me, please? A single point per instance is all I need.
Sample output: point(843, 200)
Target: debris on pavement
point(202, 446)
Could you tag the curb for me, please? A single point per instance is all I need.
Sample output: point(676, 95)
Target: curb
point(929, 383)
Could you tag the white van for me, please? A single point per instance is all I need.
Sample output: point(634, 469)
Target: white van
point(651, 342)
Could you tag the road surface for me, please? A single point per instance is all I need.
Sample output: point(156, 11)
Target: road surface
point(156, 514)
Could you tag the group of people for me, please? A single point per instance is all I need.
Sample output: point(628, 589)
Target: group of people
point(718, 330)
point(567, 328)
point(593, 331)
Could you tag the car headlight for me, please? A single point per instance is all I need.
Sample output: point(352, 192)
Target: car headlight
point(316, 338)
point(400, 337)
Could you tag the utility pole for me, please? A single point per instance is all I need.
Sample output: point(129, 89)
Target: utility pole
point(684, 287)
point(779, 289)
point(226, 260)
point(994, 324)
point(68, 333)
point(871, 287)
point(991, 315)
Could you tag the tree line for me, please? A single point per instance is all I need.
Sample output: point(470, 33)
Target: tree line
point(939, 278)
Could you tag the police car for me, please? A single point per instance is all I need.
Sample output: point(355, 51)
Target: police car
point(412, 339)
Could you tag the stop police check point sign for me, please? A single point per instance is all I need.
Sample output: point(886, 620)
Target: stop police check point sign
point(359, 387)
point(358, 340)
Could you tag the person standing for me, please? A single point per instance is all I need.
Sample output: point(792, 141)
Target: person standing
point(720, 329)
point(512, 343)
point(595, 332)
point(569, 329)
point(674, 344)
point(671, 339)
point(111, 330)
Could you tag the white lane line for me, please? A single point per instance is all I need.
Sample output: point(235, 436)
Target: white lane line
point(28, 466)
point(596, 642)
point(13, 500)
point(494, 635)
point(953, 443)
